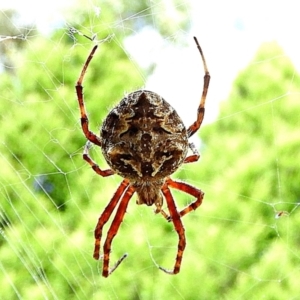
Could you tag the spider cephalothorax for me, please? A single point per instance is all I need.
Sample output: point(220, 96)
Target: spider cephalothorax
point(144, 140)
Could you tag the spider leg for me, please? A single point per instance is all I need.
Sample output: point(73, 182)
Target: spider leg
point(95, 167)
point(194, 157)
point(200, 114)
point(175, 217)
point(106, 215)
point(198, 194)
point(113, 231)
point(79, 90)
point(191, 190)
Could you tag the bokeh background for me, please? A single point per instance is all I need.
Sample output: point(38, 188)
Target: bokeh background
point(243, 242)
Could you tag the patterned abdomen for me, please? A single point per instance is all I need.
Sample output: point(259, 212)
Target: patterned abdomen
point(143, 137)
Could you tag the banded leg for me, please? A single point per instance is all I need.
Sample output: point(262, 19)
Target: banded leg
point(201, 109)
point(182, 186)
point(106, 215)
point(175, 217)
point(96, 168)
point(79, 90)
point(194, 157)
point(115, 225)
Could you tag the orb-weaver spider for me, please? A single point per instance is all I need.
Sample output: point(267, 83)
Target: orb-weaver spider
point(143, 140)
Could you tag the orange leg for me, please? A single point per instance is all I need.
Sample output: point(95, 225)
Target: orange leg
point(79, 90)
point(194, 157)
point(175, 217)
point(113, 230)
point(106, 215)
point(95, 167)
point(201, 109)
point(191, 190)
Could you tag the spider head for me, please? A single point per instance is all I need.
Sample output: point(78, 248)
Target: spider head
point(149, 192)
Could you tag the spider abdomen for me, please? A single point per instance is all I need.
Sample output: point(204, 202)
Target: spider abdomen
point(143, 138)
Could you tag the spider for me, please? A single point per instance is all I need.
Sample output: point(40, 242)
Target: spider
point(143, 140)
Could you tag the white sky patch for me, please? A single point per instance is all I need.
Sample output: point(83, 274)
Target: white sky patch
point(47, 15)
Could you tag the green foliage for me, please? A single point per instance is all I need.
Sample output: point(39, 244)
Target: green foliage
point(50, 199)
point(256, 142)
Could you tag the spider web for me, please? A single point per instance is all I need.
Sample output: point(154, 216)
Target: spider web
point(242, 243)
